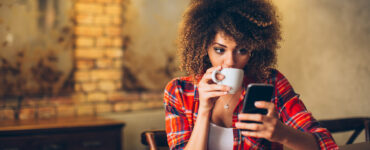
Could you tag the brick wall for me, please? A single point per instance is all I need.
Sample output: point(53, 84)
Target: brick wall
point(98, 57)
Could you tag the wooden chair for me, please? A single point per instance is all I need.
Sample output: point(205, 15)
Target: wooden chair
point(158, 138)
point(348, 124)
point(154, 139)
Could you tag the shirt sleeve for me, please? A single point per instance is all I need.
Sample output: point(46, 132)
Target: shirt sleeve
point(293, 113)
point(177, 125)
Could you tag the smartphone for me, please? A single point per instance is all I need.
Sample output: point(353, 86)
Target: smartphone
point(257, 92)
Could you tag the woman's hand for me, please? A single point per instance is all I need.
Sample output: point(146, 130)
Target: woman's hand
point(210, 91)
point(271, 128)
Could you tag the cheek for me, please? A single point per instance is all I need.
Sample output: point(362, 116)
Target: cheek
point(242, 62)
point(213, 59)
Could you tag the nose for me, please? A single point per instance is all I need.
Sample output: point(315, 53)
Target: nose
point(229, 60)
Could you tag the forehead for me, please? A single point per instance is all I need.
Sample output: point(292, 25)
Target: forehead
point(245, 42)
point(224, 39)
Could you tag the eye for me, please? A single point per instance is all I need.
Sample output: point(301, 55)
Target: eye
point(219, 50)
point(243, 51)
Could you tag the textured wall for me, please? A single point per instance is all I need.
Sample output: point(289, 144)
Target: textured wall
point(325, 55)
point(36, 42)
point(96, 58)
point(150, 54)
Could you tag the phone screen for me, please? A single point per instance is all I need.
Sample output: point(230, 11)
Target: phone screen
point(257, 92)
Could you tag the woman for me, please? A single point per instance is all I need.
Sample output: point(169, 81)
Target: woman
point(240, 34)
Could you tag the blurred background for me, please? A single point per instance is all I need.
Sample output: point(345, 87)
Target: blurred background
point(112, 58)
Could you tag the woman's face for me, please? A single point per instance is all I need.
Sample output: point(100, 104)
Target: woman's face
point(225, 52)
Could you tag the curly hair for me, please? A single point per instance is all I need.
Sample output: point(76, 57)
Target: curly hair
point(252, 23)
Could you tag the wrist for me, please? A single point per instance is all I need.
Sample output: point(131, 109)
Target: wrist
point(296, 139)
point(204, 112)
point(284, 139)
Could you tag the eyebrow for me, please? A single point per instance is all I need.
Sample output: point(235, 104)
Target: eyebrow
point(219, 44)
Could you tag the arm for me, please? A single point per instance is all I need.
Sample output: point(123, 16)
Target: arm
point(199, 136)
point(274, 130)
point(179, 133)
point(291, 125)
point(293, 113)
point(296, 139)
point(208, 93)
point(296, 116)
point(177, 124)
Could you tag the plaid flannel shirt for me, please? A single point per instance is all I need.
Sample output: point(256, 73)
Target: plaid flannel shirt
point(181, 104)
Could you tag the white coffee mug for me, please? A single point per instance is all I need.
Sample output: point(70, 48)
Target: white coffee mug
point(233, 78)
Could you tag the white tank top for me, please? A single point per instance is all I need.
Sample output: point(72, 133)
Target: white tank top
point(220, 138)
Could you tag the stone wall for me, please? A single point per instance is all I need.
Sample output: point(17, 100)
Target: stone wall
point(98, 56)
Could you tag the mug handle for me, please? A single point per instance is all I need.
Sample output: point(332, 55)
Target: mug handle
point(214, 73)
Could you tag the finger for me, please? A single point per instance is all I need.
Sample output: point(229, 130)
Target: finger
point(251, 117)
point(249, 126)
point(210, 70)
point(216, 87)
point(209, 73)
point(220, 77)
point(264, 104)
point(207, 78)
point(252, 134)
point(216, 94)
point(267, 105)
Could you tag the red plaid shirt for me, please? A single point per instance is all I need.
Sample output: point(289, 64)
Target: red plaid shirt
point(182, 102)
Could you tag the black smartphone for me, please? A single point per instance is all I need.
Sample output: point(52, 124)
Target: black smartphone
point(257, 92)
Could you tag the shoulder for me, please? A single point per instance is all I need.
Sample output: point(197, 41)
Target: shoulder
point(277, 78)
point(179, 92)
point(180, 86)
point(281, 83)
point(184, 83)
point(275, 75)
point(286, 99)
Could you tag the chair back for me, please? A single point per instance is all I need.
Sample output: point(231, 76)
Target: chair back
point(158, 138)
point(154, 139)
point(348, 124)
